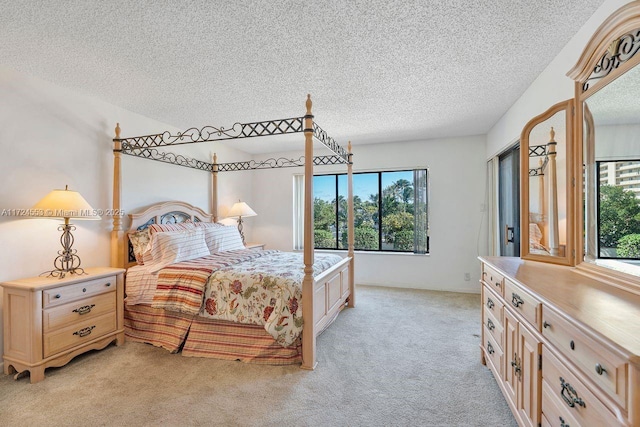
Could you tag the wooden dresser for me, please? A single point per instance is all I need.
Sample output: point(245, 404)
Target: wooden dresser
point(48, 321)
point(563, 347)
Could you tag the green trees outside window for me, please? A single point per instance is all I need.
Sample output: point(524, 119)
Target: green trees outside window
point(390, 211)
point(619, 223)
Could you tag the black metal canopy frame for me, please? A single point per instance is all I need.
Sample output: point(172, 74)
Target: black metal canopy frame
point(146, 146)
point(538, 151)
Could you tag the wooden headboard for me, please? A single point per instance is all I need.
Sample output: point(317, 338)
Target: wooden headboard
point(171, 212)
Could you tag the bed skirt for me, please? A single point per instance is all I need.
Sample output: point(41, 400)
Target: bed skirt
point(200, 337)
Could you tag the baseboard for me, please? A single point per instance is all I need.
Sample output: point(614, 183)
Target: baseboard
point(470, 290)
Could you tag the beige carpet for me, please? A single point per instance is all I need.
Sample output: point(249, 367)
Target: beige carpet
point(401, 357)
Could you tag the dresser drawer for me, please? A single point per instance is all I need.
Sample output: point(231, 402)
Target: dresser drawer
point(523, 303)
point(71, 336)
point(602, 366)
point(64, 294)
point(84, 309)
point(492, 304)
point(494, 354)
point(492, 278)
point(566, 391)
point(555, 414)
point(493, 326)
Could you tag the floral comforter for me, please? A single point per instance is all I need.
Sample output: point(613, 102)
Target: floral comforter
point(248, 286)
point(263, 291)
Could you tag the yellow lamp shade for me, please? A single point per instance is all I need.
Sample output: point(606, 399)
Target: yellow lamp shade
point(65, 204)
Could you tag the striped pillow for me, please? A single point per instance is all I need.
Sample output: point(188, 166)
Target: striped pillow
point(223, 238)
point(159, 228)
point(170, 247)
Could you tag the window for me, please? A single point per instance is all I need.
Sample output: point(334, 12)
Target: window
point(618, 212)
point(390, 211)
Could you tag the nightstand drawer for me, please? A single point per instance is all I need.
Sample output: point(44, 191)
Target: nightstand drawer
point(602, 366)
point(566, 391)
point(77, 311)
point(492, 278)
point(77, 334)
point(64, 294)
point(523, 303)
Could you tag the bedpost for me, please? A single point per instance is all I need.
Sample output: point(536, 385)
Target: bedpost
point(117, 247)
point(350, 229)
point(214, 188)
point(308, 333)
point(553, 195)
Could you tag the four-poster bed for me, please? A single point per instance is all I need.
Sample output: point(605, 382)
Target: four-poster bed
point(324, 291)
point(543, 215)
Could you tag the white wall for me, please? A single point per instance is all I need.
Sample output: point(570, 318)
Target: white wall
point(51, 137)
point(456, 194)
point(551, 86)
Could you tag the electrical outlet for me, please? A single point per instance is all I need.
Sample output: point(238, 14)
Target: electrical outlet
point(467, 277)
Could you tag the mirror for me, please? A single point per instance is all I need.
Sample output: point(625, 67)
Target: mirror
point(611, 157)
point(546, 234)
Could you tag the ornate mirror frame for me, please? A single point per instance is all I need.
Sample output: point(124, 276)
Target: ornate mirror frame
point(613, 50)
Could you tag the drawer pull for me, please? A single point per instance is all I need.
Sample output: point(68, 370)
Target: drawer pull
point(569, 395)
point(516, 301)
point(490, 325)
point(58, 296)
point(84, 309)
point(84, 331)
point(108, 284)
point(84, 289)
point(546, 324)
point(516, 365)
point(599, 369)
point(490, 303)
point(562, 423)
point(490, 348)
point(572, 345)
point(498, 284)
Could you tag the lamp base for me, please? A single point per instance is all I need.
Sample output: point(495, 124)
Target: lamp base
point(67, 261)
point(240, 230)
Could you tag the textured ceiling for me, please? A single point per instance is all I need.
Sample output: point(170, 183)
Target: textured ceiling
point(378, 71)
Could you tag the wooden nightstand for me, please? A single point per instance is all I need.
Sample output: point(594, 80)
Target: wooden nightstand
point(254, 245)
point(48, 321)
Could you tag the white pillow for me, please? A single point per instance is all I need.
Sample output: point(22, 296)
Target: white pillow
point(223, 238)
point(170, 247)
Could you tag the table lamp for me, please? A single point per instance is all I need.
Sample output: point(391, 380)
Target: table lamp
point(65, 204)
point(239, 210)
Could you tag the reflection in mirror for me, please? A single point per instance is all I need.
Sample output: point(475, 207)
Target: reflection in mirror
point(547, 187)
point(612, 174)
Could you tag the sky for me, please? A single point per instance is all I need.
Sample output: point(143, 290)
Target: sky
point(364, 184)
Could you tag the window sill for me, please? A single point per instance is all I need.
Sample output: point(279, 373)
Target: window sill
point(343, 251)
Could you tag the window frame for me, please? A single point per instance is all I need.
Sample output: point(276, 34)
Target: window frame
point(379, 173)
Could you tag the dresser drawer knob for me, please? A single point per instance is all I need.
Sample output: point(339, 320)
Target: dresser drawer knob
point(546, 324)
point(490, 325)
point(569, 395)
point(84, 309)
point(108, 284)
point(84, 289)
point(490, 303)
point(599, 369)
point(562, 423)
point(58, 296)
point(516, 300)
point(572, 345)
point(490, 348)
point(84, 331)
